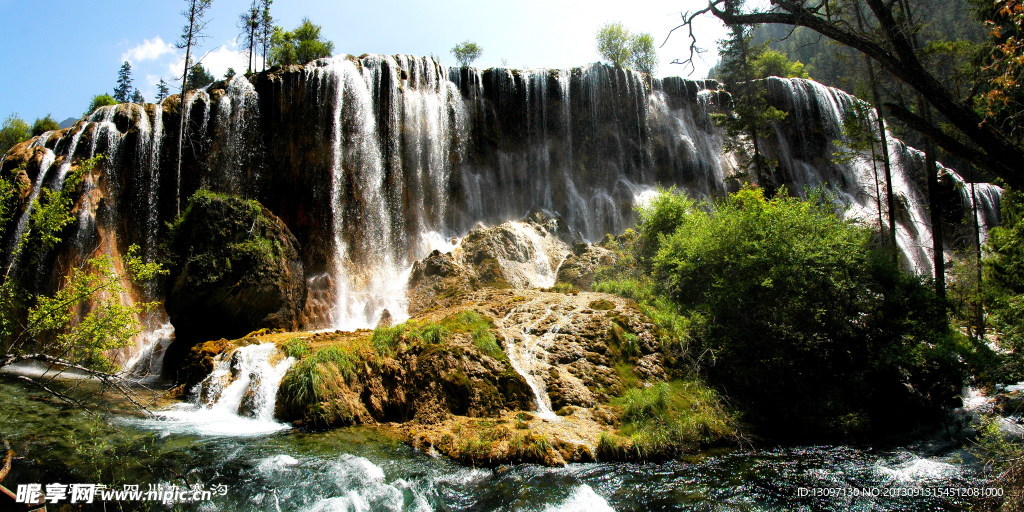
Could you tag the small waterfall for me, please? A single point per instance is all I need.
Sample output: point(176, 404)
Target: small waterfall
point(233, 166)
point(15, 249)
point(805, 143)
point(527, 350)
point(238, 397)
point(148, 360)
point(153, 184)
point(544, 256)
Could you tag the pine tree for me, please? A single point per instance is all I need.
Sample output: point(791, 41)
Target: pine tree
point(137, 97)
point(162, 90)
point(123, 91)
point(752, 115)
point(249, 23)
point(199, 76)
point(266, 29)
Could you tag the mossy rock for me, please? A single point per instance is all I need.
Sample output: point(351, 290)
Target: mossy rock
point(235, 268)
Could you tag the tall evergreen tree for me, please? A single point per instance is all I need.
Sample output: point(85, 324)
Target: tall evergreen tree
point(249, 24)
point(162, 90)
point(137, 97)
point(123, 91)
point(199, 76)
point(191, 34)
point(266, 29)
point(752, 115)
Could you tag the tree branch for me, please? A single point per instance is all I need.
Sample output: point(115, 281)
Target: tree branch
point(902, 62)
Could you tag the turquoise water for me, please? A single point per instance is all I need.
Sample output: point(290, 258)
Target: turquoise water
point(355, 469)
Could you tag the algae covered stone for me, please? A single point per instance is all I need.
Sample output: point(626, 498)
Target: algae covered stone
point(235, 268)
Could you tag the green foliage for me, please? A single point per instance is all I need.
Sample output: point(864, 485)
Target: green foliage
point(768, 62)
point(300, 46)
point(752, 117)
point(52, 212)
point(10, 192)
point(318, 376)
point(109, 322)
point(385, 340)
point(466, 52)
point(621, 48)
point(162, 90)
point(613, 43)
point(13, 131)
point(1005, 459)
point(100, 100)
point(123, 91)
point(643, 55)
point(44, 124)
point(669, 418)
point(790, 310)
point(789, 300)
point(199, 77)
point(295, 347)
point(1004, 280)
point(240, 243)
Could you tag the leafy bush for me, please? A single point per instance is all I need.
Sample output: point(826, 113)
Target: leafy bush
point(1004, 281)
point(793, 312)
point(300, 46)
point(13, 130)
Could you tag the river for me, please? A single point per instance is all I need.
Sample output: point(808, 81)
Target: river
point(360, 470)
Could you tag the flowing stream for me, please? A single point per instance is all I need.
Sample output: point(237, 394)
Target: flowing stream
point(355, 469)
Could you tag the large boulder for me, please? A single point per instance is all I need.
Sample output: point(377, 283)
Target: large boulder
point(512, 255)
point(580, 268)
point(235, 268)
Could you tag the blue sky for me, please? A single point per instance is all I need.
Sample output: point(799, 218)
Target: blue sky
point(56, 56)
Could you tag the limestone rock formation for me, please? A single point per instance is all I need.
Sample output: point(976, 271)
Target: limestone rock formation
point(579, 267)
point(235, 268)
point(511, 255)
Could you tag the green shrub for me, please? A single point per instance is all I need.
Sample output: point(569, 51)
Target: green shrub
point(385, 339)
point(479, 327)
point(319, 376)
point(790, 310)
point(1004, 282)
point(808, 323)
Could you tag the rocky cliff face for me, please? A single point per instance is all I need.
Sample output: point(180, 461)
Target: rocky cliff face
point(372, 162)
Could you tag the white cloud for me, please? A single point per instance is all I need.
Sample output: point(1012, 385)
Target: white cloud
point(150, 49)
point(217, 61)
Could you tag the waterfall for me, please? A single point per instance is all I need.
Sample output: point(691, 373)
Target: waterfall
point(148, 360)
point(237, 398)
point(14, 251)
point(374, 161)
point(806, 140)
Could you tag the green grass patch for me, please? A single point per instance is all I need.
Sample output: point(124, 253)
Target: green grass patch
point(669, 418)
point(295, 347)
point(385, 340)
point(318, 376)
